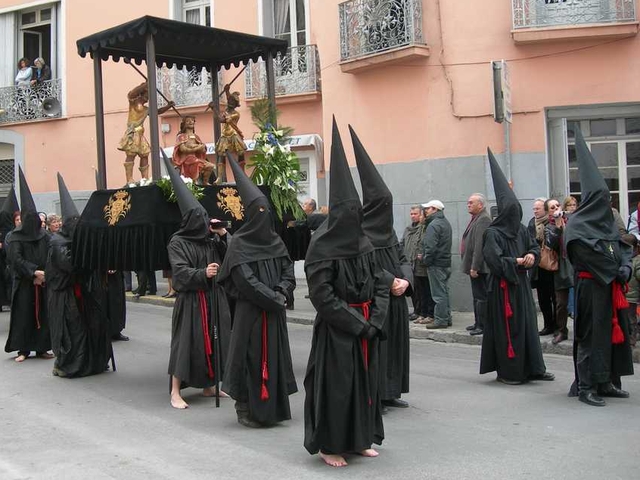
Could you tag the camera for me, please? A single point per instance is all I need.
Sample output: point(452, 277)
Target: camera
point(220, 224)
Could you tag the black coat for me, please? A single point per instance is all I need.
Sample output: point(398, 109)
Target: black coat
point(436, 243)
point(342, 410)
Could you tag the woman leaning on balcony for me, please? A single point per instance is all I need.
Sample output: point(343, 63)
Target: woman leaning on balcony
point(41, 72)
point(23, 78)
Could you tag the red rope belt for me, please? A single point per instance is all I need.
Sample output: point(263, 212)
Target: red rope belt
point(208, 351)
point(618, 301)
point(366, 313)
point(77, 292)
point(38, 290)
point(508, 313)
point(264, 392)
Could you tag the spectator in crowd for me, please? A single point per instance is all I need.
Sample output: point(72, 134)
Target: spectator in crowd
point(541, 279)
point(23, 78)
point(473, 263)
point(436, 255)
point(569, 205)
point(54, 222)
point(563, 277)
point(633, 290)
point(412, 245)
point(40, 72)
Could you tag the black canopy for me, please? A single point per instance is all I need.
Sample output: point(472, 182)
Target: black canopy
point(179, 43)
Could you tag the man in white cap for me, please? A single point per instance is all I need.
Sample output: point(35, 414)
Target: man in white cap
point(436, 255)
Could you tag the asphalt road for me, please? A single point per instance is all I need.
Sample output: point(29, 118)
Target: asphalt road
point(460, 425)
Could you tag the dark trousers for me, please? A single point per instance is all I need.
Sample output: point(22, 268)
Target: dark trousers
point(423, 303)
point(127, 281)
point(147, 283)
point(546, 298)
point(562, 310)
point(479, 293)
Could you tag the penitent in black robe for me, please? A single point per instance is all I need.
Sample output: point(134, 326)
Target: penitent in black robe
point(342, 409)
point(29, 325)
point(192, 357)
point(500, 253)
point(257, 288)
point(394, 351)
point(80, 335)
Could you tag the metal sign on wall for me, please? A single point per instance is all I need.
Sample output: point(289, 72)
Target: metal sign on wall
point(501, 91)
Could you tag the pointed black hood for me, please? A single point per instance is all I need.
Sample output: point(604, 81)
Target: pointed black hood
point(31, 227)
point(377, 200)
point(195, 220)
point(341, 235)
point(68, 210)
point(9, 207)
point(593, 219)
point(509, 216)
point(256, 239)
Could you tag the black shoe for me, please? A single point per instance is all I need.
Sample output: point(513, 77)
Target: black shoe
point(120, 338)
point(384, 410)
point(509, 382)
point(545, 331)
point(395, 403)
point(135, 292)
point(471, 327)
point(613, 392)
point(476, 331)
point(591, 398)
point(543, 377)
point(413, 316)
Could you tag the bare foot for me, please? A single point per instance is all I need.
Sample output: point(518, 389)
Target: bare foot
point(46, 355)
point(333, 460)
point(178, 402)
point(20, 358)
point(211, 392)
point(369, 452)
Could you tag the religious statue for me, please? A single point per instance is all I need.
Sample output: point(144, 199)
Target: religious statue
point(133, 142)
point(231, 138)
point(189, 153)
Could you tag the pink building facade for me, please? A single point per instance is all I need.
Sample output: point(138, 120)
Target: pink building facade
point(413, 77)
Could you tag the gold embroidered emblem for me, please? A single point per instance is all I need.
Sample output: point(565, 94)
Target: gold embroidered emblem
point(117, 208)
point(229, 202)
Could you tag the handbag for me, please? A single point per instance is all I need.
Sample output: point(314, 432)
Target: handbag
point(548, 259)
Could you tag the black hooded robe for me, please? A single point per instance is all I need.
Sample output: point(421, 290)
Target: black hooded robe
point(255, 287)
point(29, 325)
point(192, 357)
point(80, 335)
point(342, 404)
point(500, 253)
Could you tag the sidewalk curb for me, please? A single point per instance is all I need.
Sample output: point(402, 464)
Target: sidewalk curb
point(415, 331)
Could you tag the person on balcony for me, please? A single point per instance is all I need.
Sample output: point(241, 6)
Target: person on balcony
point(190, 153)
point(40, 72)
point(23, 78)
point(133, 142)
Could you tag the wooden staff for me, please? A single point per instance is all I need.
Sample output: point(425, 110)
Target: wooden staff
point(157, 90)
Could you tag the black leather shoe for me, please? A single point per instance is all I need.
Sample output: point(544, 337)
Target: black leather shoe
point(384, 410)
point(545, 331)
point(413, 316)
point(476, 331)
point(509, 382)
point(395, 403)
point(591, 398)
point(545, 377)
point(613, 392)
point(120, 338)
point(471, 327)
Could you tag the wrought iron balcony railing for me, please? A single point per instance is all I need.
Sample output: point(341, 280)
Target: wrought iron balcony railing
point(24, 104)
point(553, 13)
point(185, 87)
point(373, 26)
point(296, 72)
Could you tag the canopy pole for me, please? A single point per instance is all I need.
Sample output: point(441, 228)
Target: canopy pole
point(215, 95)
point(271, 87)
point(99, 104)
point(153, 108)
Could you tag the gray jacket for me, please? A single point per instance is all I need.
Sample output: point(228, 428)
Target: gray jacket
point(436, 244)
point(412, 246)
point(472, 257)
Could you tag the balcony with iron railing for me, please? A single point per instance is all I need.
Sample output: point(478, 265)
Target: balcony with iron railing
point(186, 88)
point(548, 20)
point(27, 104)
point(380, 31)
point(296, 73)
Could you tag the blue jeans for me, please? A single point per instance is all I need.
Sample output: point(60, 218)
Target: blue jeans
point(571, 303)
point(439, 283)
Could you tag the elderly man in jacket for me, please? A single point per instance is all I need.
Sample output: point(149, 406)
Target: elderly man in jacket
point(436, 255)
point(473, 259)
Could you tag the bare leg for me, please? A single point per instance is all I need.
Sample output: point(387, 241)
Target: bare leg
point(333, 460)
point(144, 166)
point(211, 392)
point(176, 400)
point(128, 168)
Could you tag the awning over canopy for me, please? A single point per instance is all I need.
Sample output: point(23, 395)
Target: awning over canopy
point(179, 43)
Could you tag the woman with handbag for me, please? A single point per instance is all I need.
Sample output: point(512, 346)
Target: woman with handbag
point(563, 276)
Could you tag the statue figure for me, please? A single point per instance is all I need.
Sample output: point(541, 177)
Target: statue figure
point(231, 138)
point(189, 153)
point(133, 142)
